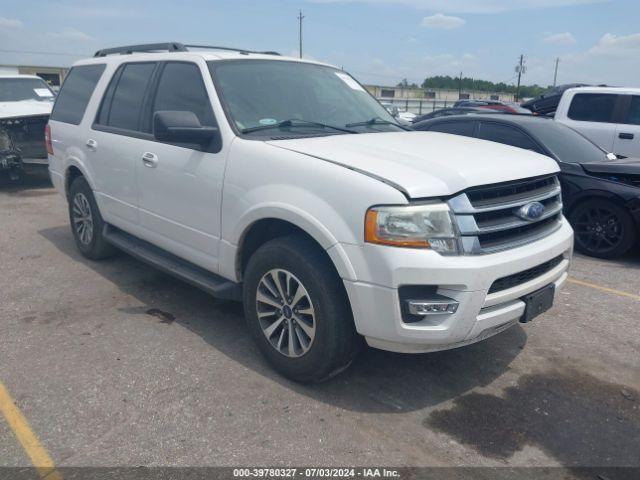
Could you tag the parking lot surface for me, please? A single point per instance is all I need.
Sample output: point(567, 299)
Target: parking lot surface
point(114, 363)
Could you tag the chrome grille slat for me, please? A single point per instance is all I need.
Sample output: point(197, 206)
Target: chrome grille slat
point(501, 206)
point(513, 222)
point(487, 222)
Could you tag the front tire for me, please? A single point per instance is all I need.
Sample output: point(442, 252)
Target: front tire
point(86, 222)
point(602, 228)
point(297, 310)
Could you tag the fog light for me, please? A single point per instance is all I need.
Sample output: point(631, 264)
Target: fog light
point(432, 307)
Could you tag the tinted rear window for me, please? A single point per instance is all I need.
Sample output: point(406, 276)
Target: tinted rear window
point(593, 107)
point(125, 96)
point(466, 129)
point(75, 93)
point(506, 135)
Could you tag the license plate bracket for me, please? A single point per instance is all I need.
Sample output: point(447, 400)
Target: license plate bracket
point(538, 302)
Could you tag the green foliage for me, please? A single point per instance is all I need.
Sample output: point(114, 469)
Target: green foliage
point(404, 83)
point(470, 84)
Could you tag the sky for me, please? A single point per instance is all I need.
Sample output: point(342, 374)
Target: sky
point(378, 41)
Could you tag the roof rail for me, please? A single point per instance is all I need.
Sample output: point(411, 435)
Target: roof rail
point(232, 49)
point(148, 47)
point(169, 47)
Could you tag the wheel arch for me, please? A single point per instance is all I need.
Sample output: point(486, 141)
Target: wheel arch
point(587, 195)
point(73, 171)
point(282, 222)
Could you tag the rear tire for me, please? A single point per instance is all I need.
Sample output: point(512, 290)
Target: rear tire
point(297, 310)
point(602, 228)
point(86, 222)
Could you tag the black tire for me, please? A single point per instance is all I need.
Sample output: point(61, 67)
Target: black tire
point(335, 342)
point(81, 199)
point(602, 228)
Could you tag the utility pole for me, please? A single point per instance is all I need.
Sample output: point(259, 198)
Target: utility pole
point(520, 70)
point(555, 73)
point(460, 86)
point(300, 17)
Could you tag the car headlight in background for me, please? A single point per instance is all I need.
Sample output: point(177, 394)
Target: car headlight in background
point(414, 226)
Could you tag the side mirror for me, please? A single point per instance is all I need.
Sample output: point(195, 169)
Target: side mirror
point(181, 127)
point(395, 112)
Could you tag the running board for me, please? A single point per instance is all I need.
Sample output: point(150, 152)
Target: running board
point(162, 260)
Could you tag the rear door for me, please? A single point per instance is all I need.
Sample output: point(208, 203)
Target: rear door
point(116, 143)
point(627, 138)
point(593, 115)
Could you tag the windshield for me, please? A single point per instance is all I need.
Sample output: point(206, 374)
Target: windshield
point(18, 89)
point(566, 144)
point(264, 93)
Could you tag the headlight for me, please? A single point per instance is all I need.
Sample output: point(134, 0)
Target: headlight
point(415, 226)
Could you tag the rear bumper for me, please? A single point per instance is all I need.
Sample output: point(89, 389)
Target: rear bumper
point(467, 279)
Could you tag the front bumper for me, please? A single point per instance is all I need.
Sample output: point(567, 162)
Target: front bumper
point(381, 270)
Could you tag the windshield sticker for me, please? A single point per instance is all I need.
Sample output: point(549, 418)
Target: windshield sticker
point(349, 81)
point(267, 121)
point(43, 92)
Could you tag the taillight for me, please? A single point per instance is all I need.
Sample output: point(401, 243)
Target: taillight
point(47, 139)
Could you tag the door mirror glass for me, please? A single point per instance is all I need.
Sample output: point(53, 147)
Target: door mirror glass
point(181, 127)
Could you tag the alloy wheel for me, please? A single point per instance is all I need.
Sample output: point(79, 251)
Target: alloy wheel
point(285, 313)
point(598, 229)
point(82, 218)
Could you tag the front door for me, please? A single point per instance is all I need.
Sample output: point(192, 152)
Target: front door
point(180, 186)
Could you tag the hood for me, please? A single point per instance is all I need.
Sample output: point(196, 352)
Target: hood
point(25, 108)
point(621, 165)
point(424, 164)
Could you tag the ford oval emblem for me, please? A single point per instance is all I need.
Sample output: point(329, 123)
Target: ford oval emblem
point(531, 211)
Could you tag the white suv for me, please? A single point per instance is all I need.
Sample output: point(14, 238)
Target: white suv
point(282, 183)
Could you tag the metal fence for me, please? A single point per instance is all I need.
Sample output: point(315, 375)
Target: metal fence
point(417, 106)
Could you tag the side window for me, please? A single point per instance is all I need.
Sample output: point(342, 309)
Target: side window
point(633, 118)
point(181, 88)
point(593, 107)
point(123, 100)
point(466, 129)
point(75, 93)
point(507, 135)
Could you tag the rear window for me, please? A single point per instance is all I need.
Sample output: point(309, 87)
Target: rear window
point(75, 93)
point(466, 129)
point(122, 103)
point(507, 135)
point(593, 107)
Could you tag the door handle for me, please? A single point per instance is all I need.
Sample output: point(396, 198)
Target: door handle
point(625, 136)
point(92, 144)
point(150, 159)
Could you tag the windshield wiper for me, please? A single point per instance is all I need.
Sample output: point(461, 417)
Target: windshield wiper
point(375, 121)
point(290, 123)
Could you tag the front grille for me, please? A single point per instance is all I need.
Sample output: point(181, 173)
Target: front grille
point(487, 216)
point(519, 278)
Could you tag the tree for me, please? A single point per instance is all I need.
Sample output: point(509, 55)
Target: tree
point(451, 83)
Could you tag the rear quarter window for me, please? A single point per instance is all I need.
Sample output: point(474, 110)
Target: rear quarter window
point(75, 93)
